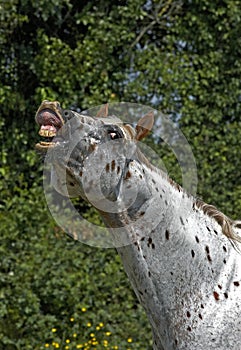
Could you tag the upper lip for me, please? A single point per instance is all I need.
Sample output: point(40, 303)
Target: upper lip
point(49, 113)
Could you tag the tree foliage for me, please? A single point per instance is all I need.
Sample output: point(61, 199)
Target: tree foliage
point(180, 57)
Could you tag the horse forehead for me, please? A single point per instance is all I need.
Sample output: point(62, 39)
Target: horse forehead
point(111, 120)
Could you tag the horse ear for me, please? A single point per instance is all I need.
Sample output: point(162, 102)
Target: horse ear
point(144, 125)
point(103, 112)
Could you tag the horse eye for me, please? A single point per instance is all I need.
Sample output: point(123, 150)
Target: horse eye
point(115, 134)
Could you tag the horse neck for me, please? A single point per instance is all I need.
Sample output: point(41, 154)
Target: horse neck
point(173, 244)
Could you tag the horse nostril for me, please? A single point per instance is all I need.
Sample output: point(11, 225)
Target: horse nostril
point(67, 114)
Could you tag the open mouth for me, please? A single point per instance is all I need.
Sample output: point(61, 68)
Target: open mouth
point(50, 121)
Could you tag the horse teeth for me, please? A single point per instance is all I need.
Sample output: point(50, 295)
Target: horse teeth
point(47, 133)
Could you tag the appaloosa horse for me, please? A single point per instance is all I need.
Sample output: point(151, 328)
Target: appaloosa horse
point(180, 254)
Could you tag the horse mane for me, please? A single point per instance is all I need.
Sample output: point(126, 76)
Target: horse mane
point(228, 225)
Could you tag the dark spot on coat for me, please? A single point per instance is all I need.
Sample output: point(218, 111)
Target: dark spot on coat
point(200, 316)
point(149, 242)
point(107, 168)
point(80, 173)
point(216, 295)
point(224, 261)
point(189, 328)
point(209, 258)
point(167, 234)
point(181, 219)
point(226, 295)
point(208, 229)
point(118, 169)
point(188, 314)
point(128, 175)
point(197, 239)
point(219, 286)
point(153, 246)
point(236, 283)
point(208, 253)
point(224, 248)
point(113, 165)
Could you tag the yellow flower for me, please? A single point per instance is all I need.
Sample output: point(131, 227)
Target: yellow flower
point(67, 347)
point(71, 319)
point(115, 347)
point(79, 346)
point(56, 345)
point(74, 335)
point(89, 324)
point(105, 343)
point(54, 330)
point(83, 309)
point(67, 341)
point(108, 334)
point(47, 345)
point(101, 324)
point(97, 328)
point(92, 335)
point(129, 340)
